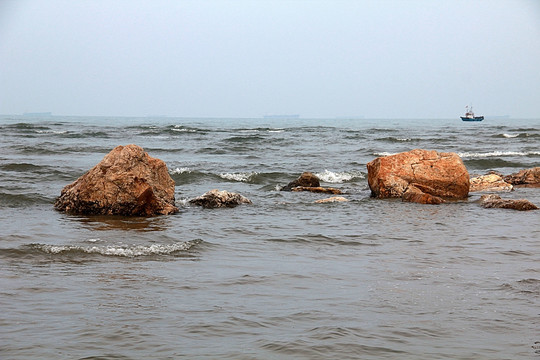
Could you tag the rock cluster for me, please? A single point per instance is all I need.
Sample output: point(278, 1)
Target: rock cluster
point(126, 182)
point(495, 201)
point(215, 199)
point(129, 182)
point(422, 176)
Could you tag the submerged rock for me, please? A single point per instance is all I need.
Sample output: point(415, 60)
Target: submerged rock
point(309, 182)
point(317, 189)
point(495, 201)
point(490, 182)
point(215, 199)
point(307, 179)
point(414, 174)
point(526, 178)
point(332, 200)
point(126, 182)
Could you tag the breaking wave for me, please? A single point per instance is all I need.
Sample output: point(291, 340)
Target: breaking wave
point(339, 177)
point(497, 154)
point(241, 177)
point(129, 251)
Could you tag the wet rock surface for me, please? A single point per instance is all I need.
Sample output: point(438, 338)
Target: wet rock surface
point(126, 182)
point(495, 201)
point(409, 174)
point(216, 199)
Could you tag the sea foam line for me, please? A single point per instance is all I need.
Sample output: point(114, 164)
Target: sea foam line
point(497, 154)
point(117, 250)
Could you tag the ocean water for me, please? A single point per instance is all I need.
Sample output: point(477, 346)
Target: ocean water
point(284, 278)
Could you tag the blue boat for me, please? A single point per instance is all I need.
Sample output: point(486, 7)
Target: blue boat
point(469, 115)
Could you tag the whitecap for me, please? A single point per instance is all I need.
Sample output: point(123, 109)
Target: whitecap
point(180, 171)
point(510, 135)
point(497, 154)
point(118, 250)
point(384, 153)
point(339, 177)
point(242, 177)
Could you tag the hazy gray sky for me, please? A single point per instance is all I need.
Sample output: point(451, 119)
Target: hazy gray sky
point(380, 58)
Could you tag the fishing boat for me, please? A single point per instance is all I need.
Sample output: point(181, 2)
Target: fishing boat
point(469, 115)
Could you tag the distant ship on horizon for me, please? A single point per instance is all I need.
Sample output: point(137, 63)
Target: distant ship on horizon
point(469, 115)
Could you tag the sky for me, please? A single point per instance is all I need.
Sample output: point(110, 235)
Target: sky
point(317, 59)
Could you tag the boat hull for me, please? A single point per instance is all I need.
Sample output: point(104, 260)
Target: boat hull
point(476, 118)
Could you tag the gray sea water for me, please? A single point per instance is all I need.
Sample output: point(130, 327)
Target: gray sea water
point(284, 278)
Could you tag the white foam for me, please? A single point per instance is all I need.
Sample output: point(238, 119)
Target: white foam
point(339, 177)
point(124, 251)
point(183, 130)
point(180, 171)
point(384, 153)
point(510, 135)
point(476, 155)
point(242, 177)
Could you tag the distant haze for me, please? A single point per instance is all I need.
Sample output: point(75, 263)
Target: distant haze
point(377, 59)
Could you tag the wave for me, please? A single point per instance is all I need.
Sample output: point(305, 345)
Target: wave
point(128, 251)
point(519, 135)
point(21, 200)
point(492, 163)
point(476, 155)
point(339, 177)
point(392, 139)
point(240, 177)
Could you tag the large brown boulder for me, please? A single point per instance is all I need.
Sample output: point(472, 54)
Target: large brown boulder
point(126, 182)
point(410, 175)
point(215, 199)
point(495, 201)
point(306, 179)
point(527, 178)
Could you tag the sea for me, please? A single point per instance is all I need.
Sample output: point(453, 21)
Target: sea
point(282, 278)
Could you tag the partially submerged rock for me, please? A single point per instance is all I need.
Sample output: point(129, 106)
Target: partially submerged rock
point(332, 200)
point(495, 201)
point(306, 179)
point(126, 182)
point(415, 195)
point(526, 178)
point(317, 189)
point(215, 199)
point(309, 182)
point(423, 176)
point(489, 182)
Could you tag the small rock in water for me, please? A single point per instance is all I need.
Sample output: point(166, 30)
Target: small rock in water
point(526, 178)
point(495, 201)
point(332, 200)
point(307, 179)
point(489, 182)
point(126, 182)
point(317, 189)
point(215, 199)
